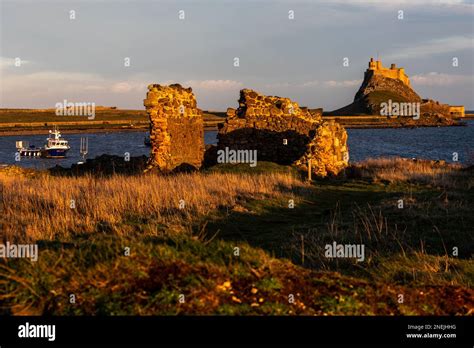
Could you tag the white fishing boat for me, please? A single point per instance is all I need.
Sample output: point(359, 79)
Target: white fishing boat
point(56, 146)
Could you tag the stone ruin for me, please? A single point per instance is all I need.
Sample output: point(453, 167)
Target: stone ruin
point(277, 128)
point(284, 133)
point(176, 128)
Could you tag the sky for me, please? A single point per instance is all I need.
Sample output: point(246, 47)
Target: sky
point(83, 59)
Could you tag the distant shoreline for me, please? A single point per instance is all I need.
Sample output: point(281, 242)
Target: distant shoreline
point(38, 122)
point(69, 131)
point(44, 131)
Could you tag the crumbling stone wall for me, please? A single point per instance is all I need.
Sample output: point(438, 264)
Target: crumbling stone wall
point(327, 150)
point(176, 127)
point(284, 133)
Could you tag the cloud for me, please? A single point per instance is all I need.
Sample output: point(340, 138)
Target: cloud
point(408, 2)
point(310, 83)
point(121, 87)
point(439, 79)
point(214, 85)
point(279, 85)
point(315, 83)
point(344, 83)
point(129, 86)
point(45, 87)
point(48, 80)
point(457, 5)
point(94, 88)
point(20, 88)
point(434, 47)
point(63, 81)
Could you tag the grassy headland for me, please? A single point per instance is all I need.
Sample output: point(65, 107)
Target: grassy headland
point(191, 250)
point(31, 121)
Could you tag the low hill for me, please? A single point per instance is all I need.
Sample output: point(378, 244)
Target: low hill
point(381, 85)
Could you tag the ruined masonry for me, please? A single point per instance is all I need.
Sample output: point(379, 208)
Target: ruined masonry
point(277, 128)
point(284, 133)
point(176, 128)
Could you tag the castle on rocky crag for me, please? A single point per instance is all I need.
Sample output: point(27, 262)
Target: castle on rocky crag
point(381, 85)
point(376, 68)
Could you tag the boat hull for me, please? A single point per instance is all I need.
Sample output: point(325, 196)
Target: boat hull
point(55, 153)
point(30, 152)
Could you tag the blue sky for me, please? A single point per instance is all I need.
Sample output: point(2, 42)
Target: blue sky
point(82, 60)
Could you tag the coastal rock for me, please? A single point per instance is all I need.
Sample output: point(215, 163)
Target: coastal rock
point(381, 85)
point(394, 80)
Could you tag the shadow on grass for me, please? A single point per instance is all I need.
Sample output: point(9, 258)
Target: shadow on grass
point(271, 224)
point(354, 212)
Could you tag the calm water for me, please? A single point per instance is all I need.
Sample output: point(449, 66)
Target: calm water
point(430, 143)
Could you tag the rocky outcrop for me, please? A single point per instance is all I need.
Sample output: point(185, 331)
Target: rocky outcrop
point(381, 85)
point(176, 128)
point(378, 82)
point(431, 107)
point(282, 132)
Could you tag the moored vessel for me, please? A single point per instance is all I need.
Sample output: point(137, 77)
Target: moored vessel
point(56, 146)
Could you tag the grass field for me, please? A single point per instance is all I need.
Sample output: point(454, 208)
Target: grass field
point(49, 116)
point(29, 119)
point(237, 247)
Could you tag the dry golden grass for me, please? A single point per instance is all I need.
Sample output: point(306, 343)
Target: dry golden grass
point(407, 250)
point(40, 208)
point(415, 171)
